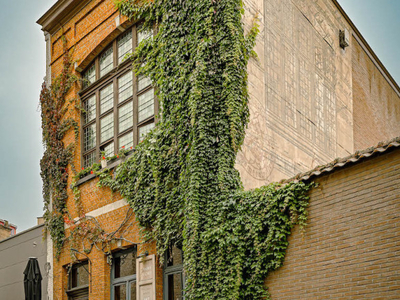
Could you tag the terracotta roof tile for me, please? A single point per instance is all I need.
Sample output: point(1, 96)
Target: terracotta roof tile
point(342, 162)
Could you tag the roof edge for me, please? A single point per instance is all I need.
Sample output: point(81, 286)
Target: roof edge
point(22, 232)
point(59, 14)
point(367, 46)
point(339, 163)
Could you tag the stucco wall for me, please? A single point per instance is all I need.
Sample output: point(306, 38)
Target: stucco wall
point(351, 246)
point(300, 90)
point(14, 256)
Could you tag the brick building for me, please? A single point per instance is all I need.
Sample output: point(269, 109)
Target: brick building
point(311, 95)
point(351, 245)
point(7, 229)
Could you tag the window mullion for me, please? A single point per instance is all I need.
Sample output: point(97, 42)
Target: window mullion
point(97, 67)
point(116, 123)
point(115, 53)
point(98, 133)
point(135, 91)
point(135, 111)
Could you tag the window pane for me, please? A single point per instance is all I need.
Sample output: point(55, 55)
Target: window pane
point(120, 292)
point(90, 109)
point(144, 130)
point(126, 141)
point(146, 105)
point(143, 34)
point(174, 283)
point(125, 87)
point(143, 82)
point(108, 149)
point(79, 275)
point(90, 76)
point(106, 128)
point(125, 114)
point(89, 159)
point(124, 45)
point(106, 98)
point(106, 61)
point(125, 265)
point(89, 137)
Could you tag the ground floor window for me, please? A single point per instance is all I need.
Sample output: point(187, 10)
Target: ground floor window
point(123, 275)
point(78, 281)
point(174, 279)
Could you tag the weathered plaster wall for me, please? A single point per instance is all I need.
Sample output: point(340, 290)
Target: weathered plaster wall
point(376, 102)
point(300, 90)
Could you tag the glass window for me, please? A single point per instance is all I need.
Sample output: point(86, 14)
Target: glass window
point(89, 159)
point(106, 61)
point(89, 137)
point(78, 281)
point(144, 130)
point(126, 141)
point(146, 105)
point(108, 149)
point(125, 85)
point(124, 45)
point(90, 109)
point(79, 275)
point(125, 117)
point(90, 76)
point(143, 82)
point(123, 275)
point(119, 110)
point(106, 98)
point(107, 128)
point(174, 279)
point(143, 34)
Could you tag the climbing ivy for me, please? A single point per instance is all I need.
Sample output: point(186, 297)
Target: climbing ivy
point(181, 182)
point(56, 122)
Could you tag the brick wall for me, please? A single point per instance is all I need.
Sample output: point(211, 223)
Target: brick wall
point(264, 152)
point(376, 104)
point(87, 33)
point(351, 247)
point(5, 232)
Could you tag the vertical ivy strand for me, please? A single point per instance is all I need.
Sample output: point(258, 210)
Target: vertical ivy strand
point(181, 181)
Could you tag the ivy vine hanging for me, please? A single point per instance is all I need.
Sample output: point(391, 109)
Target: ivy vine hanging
point(181, 182)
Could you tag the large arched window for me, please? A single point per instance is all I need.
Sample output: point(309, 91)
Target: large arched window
point(119, 108)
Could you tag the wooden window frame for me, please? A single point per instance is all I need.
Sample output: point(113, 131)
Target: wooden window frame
point(94, 88)
point(81, 291)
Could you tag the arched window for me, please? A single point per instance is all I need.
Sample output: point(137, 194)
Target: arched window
point(119, 108)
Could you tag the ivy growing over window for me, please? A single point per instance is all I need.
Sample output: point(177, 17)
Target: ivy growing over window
point(181, 181)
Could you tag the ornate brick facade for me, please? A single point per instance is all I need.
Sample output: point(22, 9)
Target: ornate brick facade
point(308, 103)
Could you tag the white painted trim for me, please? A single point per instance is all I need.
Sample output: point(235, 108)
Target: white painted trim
point(102, 210)
point(49, 266)
point(107, 208)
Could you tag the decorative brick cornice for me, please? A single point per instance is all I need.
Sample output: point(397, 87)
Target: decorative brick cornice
point(60, 13)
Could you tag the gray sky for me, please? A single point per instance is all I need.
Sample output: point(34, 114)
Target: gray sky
point(22, 61)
